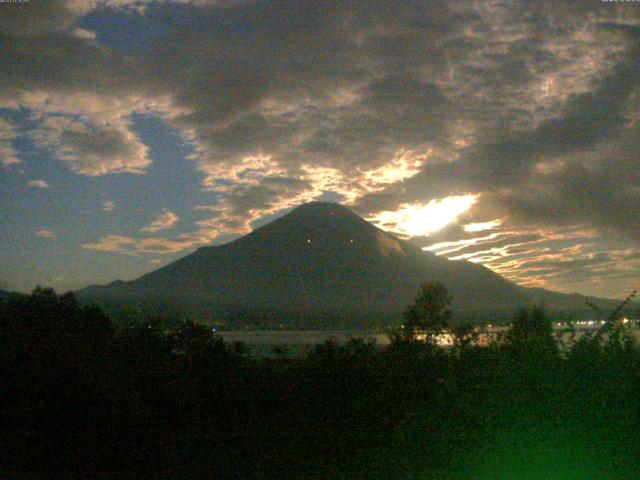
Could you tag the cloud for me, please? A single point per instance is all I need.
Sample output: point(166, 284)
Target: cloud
point(154, 245)
point(84, 34)
point(161, 245)
point(421, 220)
point(8, 154)
point(352, 112)
point(482, 226)
point(244, 203)
point(38, 183)
point(56, 16)
point(111, 243)
point(532, 108)
point(38, 18)
point(560, 259)
point(451, 103)
point(93, 149)
point(165, 221)
point(45, 233)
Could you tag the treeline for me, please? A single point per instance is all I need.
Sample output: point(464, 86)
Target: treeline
point(83, 398)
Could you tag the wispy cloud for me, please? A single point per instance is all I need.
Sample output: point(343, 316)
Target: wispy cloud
point(45, 233)
point(8, 154)
point(38, 184)
point(152, 245)
point(84, 34)
point(165, 221)
point(482, 226)
point(111, 243)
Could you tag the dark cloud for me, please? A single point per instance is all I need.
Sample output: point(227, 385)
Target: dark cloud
point(600, 192)
point(93, 150)
point(36, 18)
point(578, 192)
point(63, 64)
point(596, 259)
point(269, 193)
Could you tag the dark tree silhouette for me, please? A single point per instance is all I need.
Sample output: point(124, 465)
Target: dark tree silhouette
point(531, 326)
point(45, 324)
point(430, 312)
point(157, 402)
point(531, 337)
point(464, 335)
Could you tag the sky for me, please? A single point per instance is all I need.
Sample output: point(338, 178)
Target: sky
point(504, 133)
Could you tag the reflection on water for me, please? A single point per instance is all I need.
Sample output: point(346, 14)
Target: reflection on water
point(298, 342)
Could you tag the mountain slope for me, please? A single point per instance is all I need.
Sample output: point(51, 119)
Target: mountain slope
point(321, 261)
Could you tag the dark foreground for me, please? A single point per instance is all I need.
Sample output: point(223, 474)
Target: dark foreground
point(83, 398)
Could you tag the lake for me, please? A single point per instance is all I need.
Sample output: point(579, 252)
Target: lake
point(298, 342)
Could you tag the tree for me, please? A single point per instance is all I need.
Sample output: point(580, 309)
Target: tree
point(532, 332)
point(430, 312)
point(52, 327)
point(530, 325)
point(464, 335)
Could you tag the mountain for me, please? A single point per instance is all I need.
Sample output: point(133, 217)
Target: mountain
point(321, 265)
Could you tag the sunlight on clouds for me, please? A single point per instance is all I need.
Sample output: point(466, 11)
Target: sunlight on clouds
point(90, 149)
point(577, 67)
point(480, 227)
point(223, 176)
point(420, 220)
point(330, 179)
point(404, 165)
point(111, 243)
point(483, 256)
point(92, 108)
point(166, 220)
point(549, 258)
point(444, 248)
point(549, 167)
point(92, 133)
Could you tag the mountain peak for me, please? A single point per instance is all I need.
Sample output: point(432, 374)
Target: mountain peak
point(315, 208)
point(321, 224)
point(319, 205)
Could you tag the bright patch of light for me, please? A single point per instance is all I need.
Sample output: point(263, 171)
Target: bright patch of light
point(404, 165)
point(420, 220)
point(480, 227)
point(458, 244)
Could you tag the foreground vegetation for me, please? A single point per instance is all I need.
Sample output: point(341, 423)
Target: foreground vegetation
point(81, 397)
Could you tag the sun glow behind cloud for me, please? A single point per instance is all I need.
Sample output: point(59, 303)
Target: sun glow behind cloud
point(419, 220)
point(481, 227)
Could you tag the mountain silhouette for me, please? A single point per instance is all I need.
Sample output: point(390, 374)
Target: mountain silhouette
point(319, 265)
